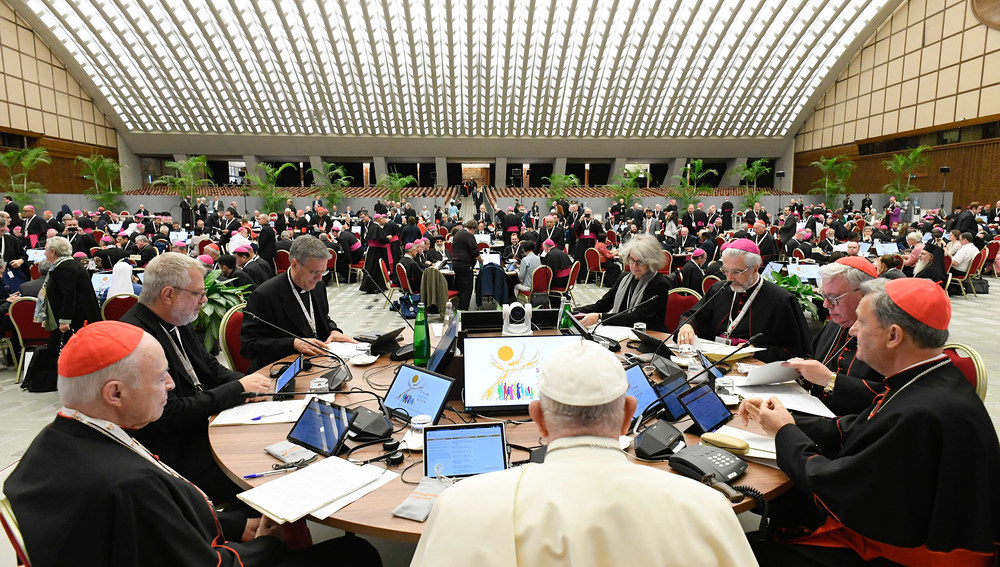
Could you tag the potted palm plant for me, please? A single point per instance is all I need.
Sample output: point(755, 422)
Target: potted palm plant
point(626, 186)
point(690, 182)
point(835, 172)
point(104, 173)
point(18, 164)
point(221, 298)
point(902, 167)
point(266, 186)
point(394, 183)
point(558, 185)
point(192, 175)
point(330, 182)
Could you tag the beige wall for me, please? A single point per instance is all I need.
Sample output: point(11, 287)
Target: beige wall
point(932, 63)
point(38, 94)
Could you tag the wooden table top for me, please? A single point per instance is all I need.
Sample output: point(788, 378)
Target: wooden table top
point(240, 451)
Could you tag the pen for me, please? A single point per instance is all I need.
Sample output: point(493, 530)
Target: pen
point(259, 417)
point(269, 473)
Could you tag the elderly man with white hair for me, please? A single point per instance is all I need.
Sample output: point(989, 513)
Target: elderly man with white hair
point(747, 305)
point(586, 504)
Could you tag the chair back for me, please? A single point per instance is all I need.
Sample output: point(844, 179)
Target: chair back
point(707, 283)
point(13, 530)
point(971, 364)
point(679, 300)
point(22, 313)
point(331, 264)
point(98, 234)
point(860, 223)
point(35, 274)
point(541, 280)
point(976, 267)
point(229, 331)
point(798, 253)
point(281, 262)
point(665, 270)
point(991, 250)
point(482, 246)
point(947, 263)
point(574, 272)
point(202, 244)
point(385, 271)
point(404, 282)
point(719, 241)
point(612, 238)
point(593, 258)
point(117, 305)
point(447, 246)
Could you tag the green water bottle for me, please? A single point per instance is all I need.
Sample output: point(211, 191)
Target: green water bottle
point(421, 338)
point(564, 314)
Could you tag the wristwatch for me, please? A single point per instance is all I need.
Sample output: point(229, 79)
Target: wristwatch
point(828, 389)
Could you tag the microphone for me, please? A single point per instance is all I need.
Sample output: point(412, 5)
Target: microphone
point(340, 375)
point(608, 320)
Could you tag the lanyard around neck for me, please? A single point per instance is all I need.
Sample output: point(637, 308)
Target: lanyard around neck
point(309, 315)
point(746, 308)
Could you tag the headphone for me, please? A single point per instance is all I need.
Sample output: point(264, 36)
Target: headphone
point(392, 456)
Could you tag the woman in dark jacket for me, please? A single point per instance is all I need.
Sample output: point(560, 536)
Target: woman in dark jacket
point(69, 298)
point(644, 255)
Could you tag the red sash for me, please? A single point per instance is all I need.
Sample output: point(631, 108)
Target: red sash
point(564, 273)
point(356, 245)
point(513, 229)
point(388, 250)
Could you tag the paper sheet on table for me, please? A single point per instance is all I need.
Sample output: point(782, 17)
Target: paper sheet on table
point(306, 490)
point(770, 373)
point(437, 329)
point(343, 350)
point(717, 351)
point(792, 396)
point(287, 412)
point(615, 332)
point(332, 508)
point(762, 449)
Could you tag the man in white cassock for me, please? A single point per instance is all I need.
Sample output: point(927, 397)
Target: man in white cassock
point(586, 505)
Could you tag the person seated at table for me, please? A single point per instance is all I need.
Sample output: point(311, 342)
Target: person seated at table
point(962, 259)
point(747, 305)
point(586, 504)
point(931, 264)
point(529, 262)
point(845, 384)
point(609, 259)
point(513, 252)
point(684, 240)
point(692, 274)
point(230, 271)
point(887, 266)
point(295, 303)
point(641, 283)
point(555, 258)
point(86, 493)
point(911, 479)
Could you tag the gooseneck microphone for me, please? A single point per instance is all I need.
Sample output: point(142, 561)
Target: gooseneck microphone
point(342, 374)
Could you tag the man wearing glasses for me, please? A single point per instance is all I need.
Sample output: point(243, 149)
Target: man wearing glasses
point(173, 293)
point(748, 305)
point(845, 384)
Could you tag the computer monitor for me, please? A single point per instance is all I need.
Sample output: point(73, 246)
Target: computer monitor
point(501, 373)
point(865, 246)
point(707, 410)
point(285, 382)
point(483, 238)
point(489, 258)
point(887, 248)
point(35, 255)
point(807, 273)
point(101, 282)
point(771, 268)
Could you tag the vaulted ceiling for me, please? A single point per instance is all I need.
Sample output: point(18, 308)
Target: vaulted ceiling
point(451, 69)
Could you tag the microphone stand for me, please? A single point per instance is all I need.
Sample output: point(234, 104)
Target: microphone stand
point(382, 291)
point(631, 309)
point(704, 304)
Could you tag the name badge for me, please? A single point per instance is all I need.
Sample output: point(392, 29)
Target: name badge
point(586, 232)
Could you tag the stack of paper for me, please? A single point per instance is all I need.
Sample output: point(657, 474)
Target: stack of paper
point(615, 332)
point(310, 489)
point(762, 449)
point(771, 373)
point(716, 351)
point(261, 412)
point(792, 396)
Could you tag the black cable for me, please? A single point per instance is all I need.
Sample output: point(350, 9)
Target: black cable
point(363, 445)
point(459, 414)
point(402, 473)
point(760, 507)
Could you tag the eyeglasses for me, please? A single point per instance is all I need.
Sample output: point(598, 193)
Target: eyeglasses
point(835, 300)
point(727, 273)
point(201, 294)
point(637, 262)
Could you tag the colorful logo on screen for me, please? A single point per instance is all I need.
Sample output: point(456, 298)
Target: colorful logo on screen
point(407, 397)
point(510, 364)
point(515, 391)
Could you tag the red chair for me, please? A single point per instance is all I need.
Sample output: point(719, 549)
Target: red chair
point(331, 266)
point(29, 333)
point(281, 262)
point(798, 253)
point(593, 259)
point(679, 300)
point(947, 263)
point(612, 238)
point(860, 223)
point(117, 305)
point(356, 270)
point(404, 282)
point(541, 281)
point(574, 271)
point(482, 246)
point(93, 250)
point(388, 281)
point(666, 269)
point(35, 274)
point(447, 246)
point(707, 283)
point(13, 530)
point(229, 330)
point(97, 234)
point(974, 268)
point(992, 249)
point(202, 244)
point(971, 364)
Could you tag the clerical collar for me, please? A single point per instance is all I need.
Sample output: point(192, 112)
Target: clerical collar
point(565, 446)
point(894, 380)
point(295, 286)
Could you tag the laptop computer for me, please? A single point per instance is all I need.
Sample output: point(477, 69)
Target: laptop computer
point(464, 450)
point(501, 373)
point(415, 391)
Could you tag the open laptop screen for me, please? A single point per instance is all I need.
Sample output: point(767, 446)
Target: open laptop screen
point(464, 450)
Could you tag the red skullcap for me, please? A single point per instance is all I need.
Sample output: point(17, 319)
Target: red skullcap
point(97, 346)
point(922, 299)
point(859, 263)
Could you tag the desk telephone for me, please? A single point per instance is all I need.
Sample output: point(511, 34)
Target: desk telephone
point(701, 461)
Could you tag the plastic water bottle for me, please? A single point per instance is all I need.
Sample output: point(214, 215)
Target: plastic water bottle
point(421, 338)
point(449, 312)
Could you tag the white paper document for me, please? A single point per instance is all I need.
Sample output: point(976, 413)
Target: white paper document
point(717, 351)
point(762, 449)
point(615, 332)
point(306, 490)
point(770, 373)
point(332, 508)
point(792, 396)
point(343, 350)
point(261, 412)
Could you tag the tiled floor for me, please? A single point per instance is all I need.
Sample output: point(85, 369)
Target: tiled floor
point(23, 414)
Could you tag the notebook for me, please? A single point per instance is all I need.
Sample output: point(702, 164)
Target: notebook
point(464, 450)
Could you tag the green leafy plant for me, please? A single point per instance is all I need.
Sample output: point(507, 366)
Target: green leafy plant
point(394, 183)
point(558, 185)
point(18, 164)
point(902, 166)
point(802, 291)
point(752, 196)
point(192, 175)
point(334, 179)
point(104, 173)
point(626, 186)
point(266, 186)
point(689, 183)
point(749, 173)
point(221, 298)
point(835, 172)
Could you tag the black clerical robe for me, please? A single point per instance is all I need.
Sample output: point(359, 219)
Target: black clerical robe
point(560, 264)
point(378, 249)
point(692, 275)
point(911, 478)
point(273, 302)
point(180, 436)
point(82, 498)
point(774, 312)
point(857, 384)
point(555, 234)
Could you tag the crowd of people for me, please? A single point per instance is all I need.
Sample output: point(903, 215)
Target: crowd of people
point(151, 376)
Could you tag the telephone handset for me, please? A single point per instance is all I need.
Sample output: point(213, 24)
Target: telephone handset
point(710, 465)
